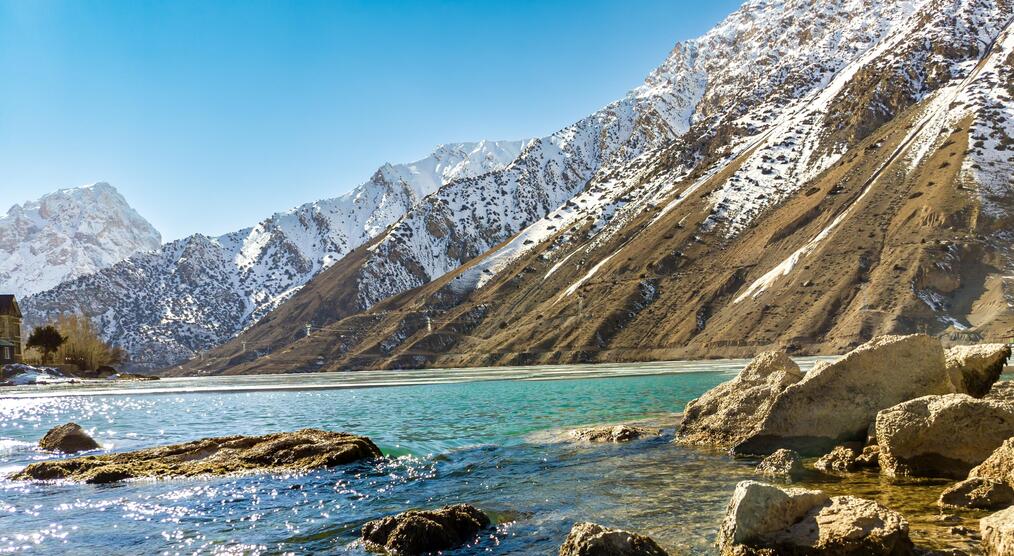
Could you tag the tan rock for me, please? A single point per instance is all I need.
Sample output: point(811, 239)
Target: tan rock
point(759, 520)
point(783, 464)
point(941, 436)
point(69, 439)
point(998, 533)
point(870, 457)
point(614, 433)
point(589, 539)
point(1002, 391)
point(300, 450)
point(729, 412)
point(998, 466)
point(836, 402)
point(425, 531)
point(977, 493)
point(974, 369)
point(842, 459)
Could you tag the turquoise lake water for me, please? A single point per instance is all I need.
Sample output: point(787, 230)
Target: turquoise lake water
point(495, 438)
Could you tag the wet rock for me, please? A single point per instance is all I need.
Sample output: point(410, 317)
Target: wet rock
point(69, 439)
point(998, 533)
point(423, 531)
point(974, 369)
point(589, 539)
point(842, 459)
point(300, 450)
point(977, 493)
point(760, 520)
point(836, 402)
point(941, 436)
point(617, 433)
point(729, 412)
point(999, 466)
point(783, 464)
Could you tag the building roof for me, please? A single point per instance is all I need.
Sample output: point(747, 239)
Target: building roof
point(6, 344)
point(9, 306)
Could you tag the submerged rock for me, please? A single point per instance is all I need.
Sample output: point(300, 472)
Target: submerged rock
point(69, 439)
point(842, 459)
point(977, 493)
point(729, 412)
point(998, 533)
point(589, 539)
point(974, 369)
point(614, 433)
point(763, 519)
point(300, 450)
point(836, 402)
point(941, 436)
point(999, 466)
point(783, 464)
point(423, 531)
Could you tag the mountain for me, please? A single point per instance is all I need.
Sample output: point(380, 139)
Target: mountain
point(192, 294)
point(67, 234)
point(806, 175)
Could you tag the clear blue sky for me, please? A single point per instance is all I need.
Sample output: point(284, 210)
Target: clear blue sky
point(211, 115)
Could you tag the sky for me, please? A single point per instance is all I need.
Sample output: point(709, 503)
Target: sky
point(209, 116)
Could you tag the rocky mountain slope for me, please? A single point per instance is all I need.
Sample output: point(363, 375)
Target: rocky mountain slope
point(816, 174)
point(192, 294)
point(67, 234)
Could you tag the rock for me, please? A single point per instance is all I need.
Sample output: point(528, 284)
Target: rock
point(783, 464)
point(300, 450)
point(974, 369)
point(978, 493)
point(842, 459)
point(999, 466)
point(870, 457)
point(762, 521)
point(69, 439)
point(589, 539)
point(998, 533)
point(836, 402)
point(729, 412)
point(610, 433)
point(941, 436)
point(1001, 392)
point(423, 531)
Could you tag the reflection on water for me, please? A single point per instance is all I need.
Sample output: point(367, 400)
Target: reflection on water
point(492, 443)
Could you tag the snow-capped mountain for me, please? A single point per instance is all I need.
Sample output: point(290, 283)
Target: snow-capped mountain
point(192, 294)
point(67, 234)
point(695, 217)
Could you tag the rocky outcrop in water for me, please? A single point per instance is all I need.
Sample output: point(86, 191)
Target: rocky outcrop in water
point(300, 450)
point(729, 412)
point(424, 531)
point(998, 533)
point(836, 402)
point(783, 464)
point(974, 369)
point(999, 465)
point(590, 539)
point(764, 519)
point(941, 436)
point(842, 459)
point(977, 493)
point(613, 433)
point(69, 439)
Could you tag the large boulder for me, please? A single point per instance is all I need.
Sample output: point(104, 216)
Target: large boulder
point(974, 369)
point(836, 402)
point(69, 439)
point(999, 466)
point(783, 464)
point(977, 493)
point(998, 533)
point(729, 412)
point(941, 436)
point(613, 433)
point(300, 450)
point(589, 539)
point(763, 519)
point(425, 531)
